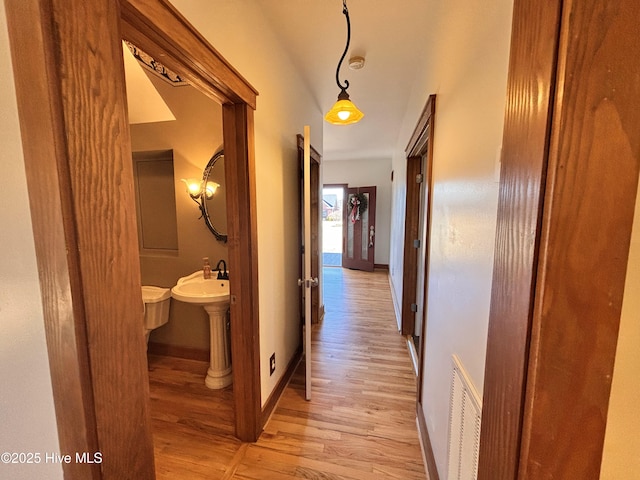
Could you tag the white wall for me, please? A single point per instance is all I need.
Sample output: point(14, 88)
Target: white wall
point(26, 399)
point(467, 63)
point(366, 173)
point(621, 455)
point(247, 41)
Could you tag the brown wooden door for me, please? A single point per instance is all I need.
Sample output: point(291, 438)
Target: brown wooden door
point(314, 193)
point(359, 229)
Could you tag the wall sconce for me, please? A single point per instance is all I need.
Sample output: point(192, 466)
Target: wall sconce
point(194, 187)
point(198, 188)
point(210, 189)
point(344, 112)
point(205, 193)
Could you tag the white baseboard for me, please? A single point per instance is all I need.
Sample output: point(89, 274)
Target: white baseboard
point(397, 307)
point(413, 353)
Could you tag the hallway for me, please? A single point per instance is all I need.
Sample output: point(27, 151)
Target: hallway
point(360, 423)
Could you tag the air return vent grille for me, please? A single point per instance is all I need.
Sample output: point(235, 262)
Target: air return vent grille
point(464, 426)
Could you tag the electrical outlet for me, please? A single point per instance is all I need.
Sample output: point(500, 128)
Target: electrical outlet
point(272, 364)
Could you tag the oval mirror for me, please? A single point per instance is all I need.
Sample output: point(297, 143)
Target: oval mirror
point(214, 199)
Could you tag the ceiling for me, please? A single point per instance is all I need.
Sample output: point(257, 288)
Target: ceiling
point(387, 33)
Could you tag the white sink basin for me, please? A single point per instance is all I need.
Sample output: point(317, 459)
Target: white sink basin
point(213, 295)
point(196, 290)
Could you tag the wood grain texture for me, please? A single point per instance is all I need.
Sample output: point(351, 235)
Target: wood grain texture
point(169, 37)
point(423, 431)
point(40, 113)
point(359, 425)
point(355, 240)
point(81, 186)
point(316, 160)
point(419, 157)
point(168, 350)
point(315, 208)
point(238, 131)
point(91, 76)
point(594, 164)
point(156, 27)
point(420, 144)
point(91, 178)
point(423, 131)
point(529, 96)
point(410, 263)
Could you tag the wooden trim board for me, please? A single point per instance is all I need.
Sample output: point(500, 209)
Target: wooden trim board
point(78, 162)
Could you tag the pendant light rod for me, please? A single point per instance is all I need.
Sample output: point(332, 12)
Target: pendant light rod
point(345, 11)
point(344, 112)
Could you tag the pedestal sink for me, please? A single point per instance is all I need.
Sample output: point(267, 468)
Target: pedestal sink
point(213, 295)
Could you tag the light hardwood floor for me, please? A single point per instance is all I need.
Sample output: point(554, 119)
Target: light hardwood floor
point(360, 423)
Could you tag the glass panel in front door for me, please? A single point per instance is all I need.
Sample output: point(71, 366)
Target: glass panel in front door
point(364, 232)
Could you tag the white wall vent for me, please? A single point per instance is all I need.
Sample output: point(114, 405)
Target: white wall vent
point(464, 425)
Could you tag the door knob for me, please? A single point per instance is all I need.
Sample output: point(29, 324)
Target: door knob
point(309, 282)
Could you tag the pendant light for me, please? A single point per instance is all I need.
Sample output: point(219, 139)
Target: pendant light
point(344, 112)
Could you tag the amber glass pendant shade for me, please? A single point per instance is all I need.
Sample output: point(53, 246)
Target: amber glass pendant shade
point(344, 112)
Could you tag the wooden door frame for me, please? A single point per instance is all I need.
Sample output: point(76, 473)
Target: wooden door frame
point(410, 253)
point(420, 143)
point(570, 133)
point(77, 154)
point(524, 152)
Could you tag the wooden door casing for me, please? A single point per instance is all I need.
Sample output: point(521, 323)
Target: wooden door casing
point(419, 154)
point(83, 260)
point(419, 149)
point(570, 166)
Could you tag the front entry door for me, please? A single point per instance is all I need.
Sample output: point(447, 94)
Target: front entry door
point(359, 229)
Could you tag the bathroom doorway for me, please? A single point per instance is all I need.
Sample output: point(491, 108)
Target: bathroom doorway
point(76, 144)
point(173, 239)
point(235, 105)
point(165, 151)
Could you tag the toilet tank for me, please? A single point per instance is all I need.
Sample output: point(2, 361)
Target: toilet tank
point(156, 306)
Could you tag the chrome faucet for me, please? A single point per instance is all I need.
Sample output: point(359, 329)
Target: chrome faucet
point(222, 274)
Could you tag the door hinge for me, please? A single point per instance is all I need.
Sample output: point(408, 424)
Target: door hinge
point(414, 307)
point(416, 243)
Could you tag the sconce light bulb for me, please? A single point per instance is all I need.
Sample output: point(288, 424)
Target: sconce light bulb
point(194, 187)
point(211, 189)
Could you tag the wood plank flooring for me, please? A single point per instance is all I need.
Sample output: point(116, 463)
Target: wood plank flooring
point(359, 425)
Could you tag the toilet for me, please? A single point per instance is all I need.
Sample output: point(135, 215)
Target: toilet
point(156, 307)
